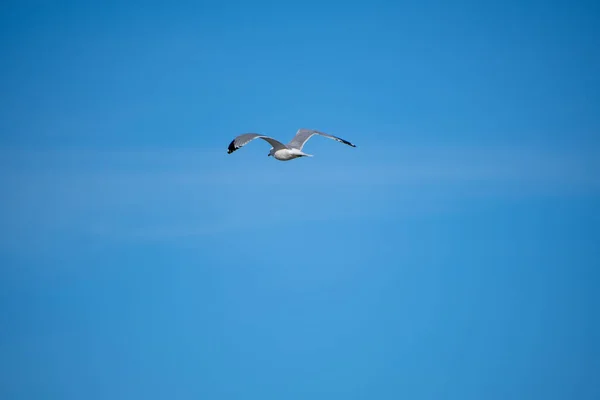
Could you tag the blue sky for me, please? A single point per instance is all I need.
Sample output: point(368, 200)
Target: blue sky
point(452, 255)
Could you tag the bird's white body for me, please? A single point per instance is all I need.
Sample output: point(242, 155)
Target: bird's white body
point(287, 154)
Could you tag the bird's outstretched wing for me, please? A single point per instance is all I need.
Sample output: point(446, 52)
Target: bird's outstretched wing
point(303, 135)
point(245, 138)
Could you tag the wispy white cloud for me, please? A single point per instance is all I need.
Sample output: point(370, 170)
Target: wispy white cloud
point(174, 193)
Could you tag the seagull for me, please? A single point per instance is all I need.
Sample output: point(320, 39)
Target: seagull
point(280, 151)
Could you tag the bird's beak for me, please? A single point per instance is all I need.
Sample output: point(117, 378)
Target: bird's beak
point(269, 155)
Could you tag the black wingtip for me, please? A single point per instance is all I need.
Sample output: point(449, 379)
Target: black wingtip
point(231, 147)
point(348, 143)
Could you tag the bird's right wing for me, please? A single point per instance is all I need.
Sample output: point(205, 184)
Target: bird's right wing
point(303, 135)
point(245, 138)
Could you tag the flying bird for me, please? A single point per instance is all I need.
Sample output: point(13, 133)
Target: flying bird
point(280, 151)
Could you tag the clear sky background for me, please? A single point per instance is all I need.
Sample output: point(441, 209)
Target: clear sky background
point(453, 254)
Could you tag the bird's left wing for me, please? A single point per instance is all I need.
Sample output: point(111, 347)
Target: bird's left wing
point(245, 138)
